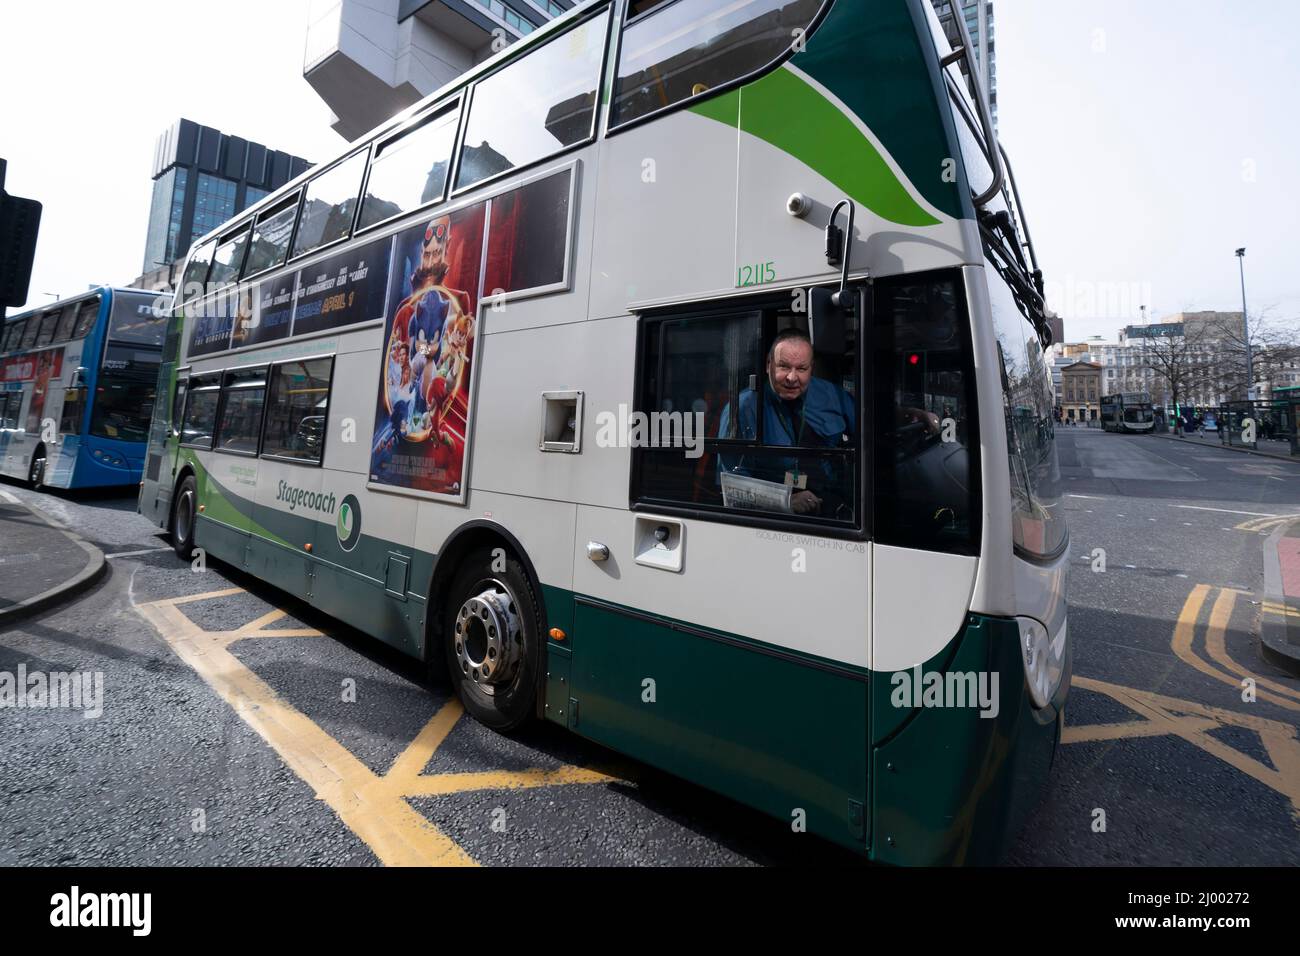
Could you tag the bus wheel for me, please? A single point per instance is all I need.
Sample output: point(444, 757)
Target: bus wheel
point(492, 634)
point(36, 474)
point(184, 509)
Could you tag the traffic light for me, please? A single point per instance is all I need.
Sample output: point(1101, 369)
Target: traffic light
point(20, 220)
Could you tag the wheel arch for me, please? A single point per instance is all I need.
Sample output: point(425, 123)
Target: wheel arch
point(467, 538)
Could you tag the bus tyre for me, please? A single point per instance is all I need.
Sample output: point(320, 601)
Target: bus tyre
point(36, 473)
point(184, 510)
point(492, 635)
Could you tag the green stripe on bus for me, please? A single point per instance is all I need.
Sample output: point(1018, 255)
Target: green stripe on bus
point(784, 111)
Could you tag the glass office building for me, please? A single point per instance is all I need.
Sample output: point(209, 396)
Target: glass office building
point(201, 178)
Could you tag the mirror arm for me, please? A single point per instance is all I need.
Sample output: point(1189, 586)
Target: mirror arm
point(846, 248)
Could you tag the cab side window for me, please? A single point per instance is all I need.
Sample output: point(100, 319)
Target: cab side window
point(1037, 518)
point(926, 467)
point(740, 412)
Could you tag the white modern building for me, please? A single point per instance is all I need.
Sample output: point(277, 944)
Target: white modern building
point(371, 59)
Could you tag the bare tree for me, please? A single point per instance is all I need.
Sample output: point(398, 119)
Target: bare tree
point(1273, 346)
point(1180, 363)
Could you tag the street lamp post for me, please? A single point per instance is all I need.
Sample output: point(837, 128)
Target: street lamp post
point(1245, 325)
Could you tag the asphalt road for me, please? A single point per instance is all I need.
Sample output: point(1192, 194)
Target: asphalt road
point(240, 728)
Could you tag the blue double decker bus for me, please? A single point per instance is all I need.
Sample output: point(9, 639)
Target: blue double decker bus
point(77, 385)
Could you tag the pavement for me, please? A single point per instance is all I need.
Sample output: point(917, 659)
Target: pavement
point(1265, 446)
point(1280, 623)
point(42, 563)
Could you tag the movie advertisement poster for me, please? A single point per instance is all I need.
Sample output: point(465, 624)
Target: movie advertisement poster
point(422, 413)
point(343, 289)
point(265, 312)
point(214, 318)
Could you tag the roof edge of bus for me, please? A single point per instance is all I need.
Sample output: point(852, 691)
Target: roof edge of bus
point(96, 290)
point(462, 81)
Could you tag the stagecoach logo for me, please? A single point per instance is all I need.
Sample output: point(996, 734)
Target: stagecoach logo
point(348, 525)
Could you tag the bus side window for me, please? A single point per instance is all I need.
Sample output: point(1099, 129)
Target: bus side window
point(330, 202)
point(1037, 520)
point(87, 312)
point(13, 335)
point(539, 104)
point(29, 333)
point(741, 413)
point(297, 410)
point(925, 488)
point(201, 412)
point(685, 49)
point(241, 411)
point(178, 407)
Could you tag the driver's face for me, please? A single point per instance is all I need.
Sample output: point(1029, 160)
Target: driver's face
point(790, 369)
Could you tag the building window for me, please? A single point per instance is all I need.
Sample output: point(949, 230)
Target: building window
point(214, 203)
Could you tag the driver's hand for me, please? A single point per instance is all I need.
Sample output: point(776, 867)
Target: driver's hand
point(805, 502)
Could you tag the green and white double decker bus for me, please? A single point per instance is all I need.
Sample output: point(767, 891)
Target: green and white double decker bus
point(676, 376)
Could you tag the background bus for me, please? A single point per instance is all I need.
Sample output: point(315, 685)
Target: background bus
point(77, 382)
point(1127, 412)
point(410, 388)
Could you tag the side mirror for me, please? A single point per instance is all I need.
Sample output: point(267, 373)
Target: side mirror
point(79, 377)
point(826, 322)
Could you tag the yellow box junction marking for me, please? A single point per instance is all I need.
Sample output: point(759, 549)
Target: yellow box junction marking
point(1192, 721)
point(374, 807)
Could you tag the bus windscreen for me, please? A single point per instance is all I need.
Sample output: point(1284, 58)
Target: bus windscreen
point(137, 324)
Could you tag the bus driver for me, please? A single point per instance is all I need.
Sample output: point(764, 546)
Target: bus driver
point(799, 410)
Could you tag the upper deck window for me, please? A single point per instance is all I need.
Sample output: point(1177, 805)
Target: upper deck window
point(196, 270)
point(49, 322)
point(13, 335)
point(271, 237)
point(67, 320)
point(690, 47)
point(229, 258)
point(329, 205)
point(87, 312)
point(29, 334)
point(537, 105)
point(410, 170)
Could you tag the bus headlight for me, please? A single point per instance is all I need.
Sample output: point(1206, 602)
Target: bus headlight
point(1044, 659)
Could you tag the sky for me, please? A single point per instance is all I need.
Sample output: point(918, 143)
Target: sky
point(1150, 138)
point(87, 86)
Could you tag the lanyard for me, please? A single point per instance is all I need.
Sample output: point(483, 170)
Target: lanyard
point(788, 427)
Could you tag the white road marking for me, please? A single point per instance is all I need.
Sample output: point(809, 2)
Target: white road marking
point(132, 554)
point(1228, 511)
point(1089, 497)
